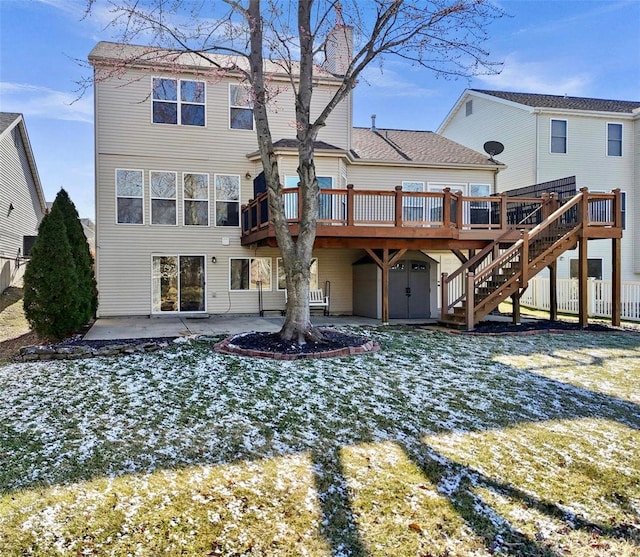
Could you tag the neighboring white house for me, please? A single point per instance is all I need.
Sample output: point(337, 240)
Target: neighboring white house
point(176, 160)
point(22, 203)
point(547, 137)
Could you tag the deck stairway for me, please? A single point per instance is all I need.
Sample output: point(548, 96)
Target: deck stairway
point(503, 269)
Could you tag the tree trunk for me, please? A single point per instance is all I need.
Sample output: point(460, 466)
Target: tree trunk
point(296, 255)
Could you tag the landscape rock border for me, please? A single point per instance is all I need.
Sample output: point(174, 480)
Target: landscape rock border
point(80, 351)
point(226, 346)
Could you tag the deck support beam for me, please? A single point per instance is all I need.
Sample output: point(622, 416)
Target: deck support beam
point(553, 291)
point(515, 304)
point(385, 265)
point(583, 283)
point(616, 282)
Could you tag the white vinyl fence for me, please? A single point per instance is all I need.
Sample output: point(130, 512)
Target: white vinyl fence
point(598, 297)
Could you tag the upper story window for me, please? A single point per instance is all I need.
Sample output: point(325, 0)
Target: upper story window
point(227, 190)
point(129, 197)
point(163, 197)
point(614, 140)
point(240, 108)
point(558, 136)
point(178, 101)
point(196, 199)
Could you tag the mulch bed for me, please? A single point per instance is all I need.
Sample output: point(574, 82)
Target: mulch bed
point(490, 327)
point(270, 345)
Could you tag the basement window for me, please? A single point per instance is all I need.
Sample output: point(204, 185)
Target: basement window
point(594, 268)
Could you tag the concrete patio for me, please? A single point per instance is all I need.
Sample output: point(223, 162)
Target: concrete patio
point(110, 328)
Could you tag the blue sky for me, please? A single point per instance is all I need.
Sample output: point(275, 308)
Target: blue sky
point(575, 47)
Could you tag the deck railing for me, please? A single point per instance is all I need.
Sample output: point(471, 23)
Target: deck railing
point(584, 209)
point(398, 208)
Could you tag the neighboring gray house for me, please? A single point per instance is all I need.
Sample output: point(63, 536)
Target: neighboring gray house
point(547, 137)
point(22, 203)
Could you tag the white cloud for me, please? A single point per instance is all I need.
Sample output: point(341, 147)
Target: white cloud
point(34, 100)
point(391, 83)
point(537, 77)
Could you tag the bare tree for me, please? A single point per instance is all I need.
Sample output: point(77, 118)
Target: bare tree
point(442, 36)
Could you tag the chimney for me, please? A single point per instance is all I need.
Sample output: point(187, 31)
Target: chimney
point(373, 123)
point(339, 46)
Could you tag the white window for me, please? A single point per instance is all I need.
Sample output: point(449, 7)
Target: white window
point(325, 210)
point(178, 283)
point(178, 101)
point(240, 108)
point(246, 272)
point(163, 197)
point(227, 191)
point(479, 211)
point(558, 136)
point(313, 279)
point(614, 140)
point(196, 199)
point(413, 207)
point(129, 196)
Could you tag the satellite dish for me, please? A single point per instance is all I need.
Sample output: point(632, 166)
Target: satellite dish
point(493, 148)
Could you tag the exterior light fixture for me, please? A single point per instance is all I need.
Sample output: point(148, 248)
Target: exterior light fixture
point(213, 259)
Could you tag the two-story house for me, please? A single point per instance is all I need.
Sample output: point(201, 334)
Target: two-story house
point(182, 222)
point(548, 137)
point(22, 203)
point(176, 159)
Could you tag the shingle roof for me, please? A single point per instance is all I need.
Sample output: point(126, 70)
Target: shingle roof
point(293, 144)
point(120, 55)
point(6, 119)
point(412, 146)
point(564, 102)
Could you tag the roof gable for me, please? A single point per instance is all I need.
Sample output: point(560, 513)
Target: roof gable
point(10, 120)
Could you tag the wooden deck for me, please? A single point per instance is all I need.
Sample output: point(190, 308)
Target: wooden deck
point(398, 219)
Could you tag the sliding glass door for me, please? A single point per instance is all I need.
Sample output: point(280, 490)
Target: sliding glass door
point(178, 283)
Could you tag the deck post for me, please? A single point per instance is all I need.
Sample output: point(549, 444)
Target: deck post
point(446, 208)
point(385, 286)
point(616, 267)
point(515, 305)
point(444, 296)
point(459, 213)
point(398, 206)
point(349, 204)
point(470, 309)
point(524, 260)
point(583, 270)
point(553, 291)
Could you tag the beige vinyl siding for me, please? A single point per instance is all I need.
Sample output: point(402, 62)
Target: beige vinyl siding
point(125, 251)
point(512, 126)
point(125, 104)
point(387, 177)
point(17, 187)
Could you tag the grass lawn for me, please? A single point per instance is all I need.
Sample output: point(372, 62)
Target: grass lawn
point(438, 445)
point(15, 331)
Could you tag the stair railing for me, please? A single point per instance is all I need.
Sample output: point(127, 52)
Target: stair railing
point(519, 252)
point(454, 286)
